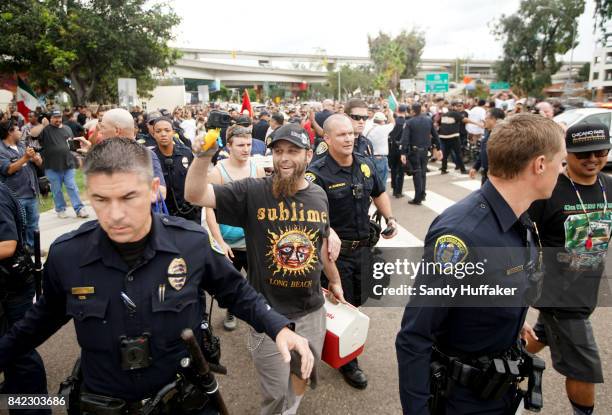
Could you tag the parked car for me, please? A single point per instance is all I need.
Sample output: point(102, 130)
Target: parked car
point(586, 116)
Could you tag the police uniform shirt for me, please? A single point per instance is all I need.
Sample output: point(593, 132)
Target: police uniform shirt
point(23, 182)
point(348, 213)
point(9, 215)
point(419, 132)
point(175, 173)
point(465, 232)
point(573, 272)
point(84, 277)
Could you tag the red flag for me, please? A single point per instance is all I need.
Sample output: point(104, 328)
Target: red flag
point(246, 103)
point(26, 98)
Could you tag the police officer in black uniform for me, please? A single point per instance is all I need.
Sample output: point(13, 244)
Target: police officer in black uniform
point(350, 180)
point(395, 163)
point(131, 282)
point(175, 159)
point(418, 136)
point(24, 374)
point(146, 137)
point(471, 342)
point(357, 110)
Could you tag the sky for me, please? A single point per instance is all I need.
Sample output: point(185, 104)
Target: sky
point(453, 28)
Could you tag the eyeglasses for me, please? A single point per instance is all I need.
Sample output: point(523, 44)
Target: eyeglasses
point(587, 154)
point(358, 117)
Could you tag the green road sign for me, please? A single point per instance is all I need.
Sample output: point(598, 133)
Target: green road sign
point(436, 82)
point(499, 86)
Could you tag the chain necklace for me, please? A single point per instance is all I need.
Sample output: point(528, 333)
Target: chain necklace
point(589, 242)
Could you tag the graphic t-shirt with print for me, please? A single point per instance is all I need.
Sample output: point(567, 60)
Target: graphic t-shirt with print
point(283, 240)
point(573, 269)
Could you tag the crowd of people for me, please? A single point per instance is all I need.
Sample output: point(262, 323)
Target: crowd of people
point(284, 193)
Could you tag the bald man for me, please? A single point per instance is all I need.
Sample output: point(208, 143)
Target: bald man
point(545, 109)
point(118, 122)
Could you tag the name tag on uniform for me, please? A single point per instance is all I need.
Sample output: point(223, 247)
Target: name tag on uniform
point(514, 270)
point(82, 292)
point(336, 185)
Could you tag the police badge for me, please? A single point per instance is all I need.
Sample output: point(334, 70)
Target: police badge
point(449, 249)
point(177, 273)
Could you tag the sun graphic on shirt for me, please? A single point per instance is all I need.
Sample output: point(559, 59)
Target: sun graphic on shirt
point(293, 251)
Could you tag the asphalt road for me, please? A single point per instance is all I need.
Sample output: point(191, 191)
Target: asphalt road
point(333, 396)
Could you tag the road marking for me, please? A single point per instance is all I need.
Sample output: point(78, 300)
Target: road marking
point(470, 185)
point(434, 201)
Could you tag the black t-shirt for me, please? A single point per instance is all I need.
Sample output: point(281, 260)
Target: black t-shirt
point(55, 149)
point(572, 270)
point(283, 240)
point(450, 124)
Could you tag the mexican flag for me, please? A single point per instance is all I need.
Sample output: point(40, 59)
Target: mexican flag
point(26, 99)
point(392, 101)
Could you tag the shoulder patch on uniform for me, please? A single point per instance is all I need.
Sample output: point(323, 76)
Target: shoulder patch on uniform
point(84, 228)
point(450, 249)
point(310, 176)
point(185, 162)
point(214, 245)
point(321, 148)
point(365, 169)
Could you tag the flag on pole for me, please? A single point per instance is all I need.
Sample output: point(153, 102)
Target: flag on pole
point(392, 101)
point(26, 99)
point(246, 103)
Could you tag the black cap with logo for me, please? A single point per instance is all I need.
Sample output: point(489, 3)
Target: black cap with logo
point(587, 137)
point(292, 133)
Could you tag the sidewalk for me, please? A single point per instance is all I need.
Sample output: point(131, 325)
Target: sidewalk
point(51, 226)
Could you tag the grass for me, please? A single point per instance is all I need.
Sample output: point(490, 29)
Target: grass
point(46, 203)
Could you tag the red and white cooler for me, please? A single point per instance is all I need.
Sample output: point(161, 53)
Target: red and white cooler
point(347, 331)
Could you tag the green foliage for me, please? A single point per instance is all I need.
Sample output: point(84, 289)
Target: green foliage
point(603, 13)
point(583, 73)
point(533, 38)
point(81, 47)
point(395, 58)
point(352, 78)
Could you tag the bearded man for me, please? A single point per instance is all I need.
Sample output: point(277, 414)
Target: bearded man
point(286, 224)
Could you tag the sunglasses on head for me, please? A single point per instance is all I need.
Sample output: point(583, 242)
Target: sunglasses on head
point(587, 154)
point(359, 117)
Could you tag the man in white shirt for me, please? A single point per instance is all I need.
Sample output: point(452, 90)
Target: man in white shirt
point(379, 136)
point(476, 118)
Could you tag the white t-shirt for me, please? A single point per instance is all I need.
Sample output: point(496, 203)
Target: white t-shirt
point(476, 114)
point(509, 103)
point(367, 127)
point(189, 128)
point(379, 135)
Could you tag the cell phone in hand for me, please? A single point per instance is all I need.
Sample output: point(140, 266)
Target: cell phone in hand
point(388, 231)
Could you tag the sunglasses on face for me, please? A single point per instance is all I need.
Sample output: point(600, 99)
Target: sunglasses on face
point(359, 117)
point(587, 154)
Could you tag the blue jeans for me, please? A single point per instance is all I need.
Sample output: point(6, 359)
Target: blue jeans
point(30, 205)
point(57, 178)
point(382, 168)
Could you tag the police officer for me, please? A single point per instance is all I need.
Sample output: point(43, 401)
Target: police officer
point(525, 158)
point(395, 163)
point(175, 160)
point(350, 179)
point(24, 374)
point(418, 136)
point(357, 110)
point(131, 281)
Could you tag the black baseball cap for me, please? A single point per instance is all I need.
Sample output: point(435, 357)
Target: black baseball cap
point(402, 108)
point(56, 113)
point(292, 133)
point(587, 137)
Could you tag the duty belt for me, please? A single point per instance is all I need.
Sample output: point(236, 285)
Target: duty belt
point(348, 246)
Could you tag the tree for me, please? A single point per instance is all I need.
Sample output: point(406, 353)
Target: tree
point(533, 37)
point(81, 47)
point(583, 73)
point(395, 57)
point(361, 77)
point(603, 13)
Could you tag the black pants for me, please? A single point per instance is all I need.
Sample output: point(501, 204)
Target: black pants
point(397, 172)
point(26, 374)
point(452, 145)
point(464, 401)
point(418, 160)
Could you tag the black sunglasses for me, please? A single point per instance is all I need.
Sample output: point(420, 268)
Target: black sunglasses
point(587, 154)
point(359, 117)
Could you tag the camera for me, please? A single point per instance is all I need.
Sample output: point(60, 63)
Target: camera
point(219, 119)
point(73, 144)
point(135, 352)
